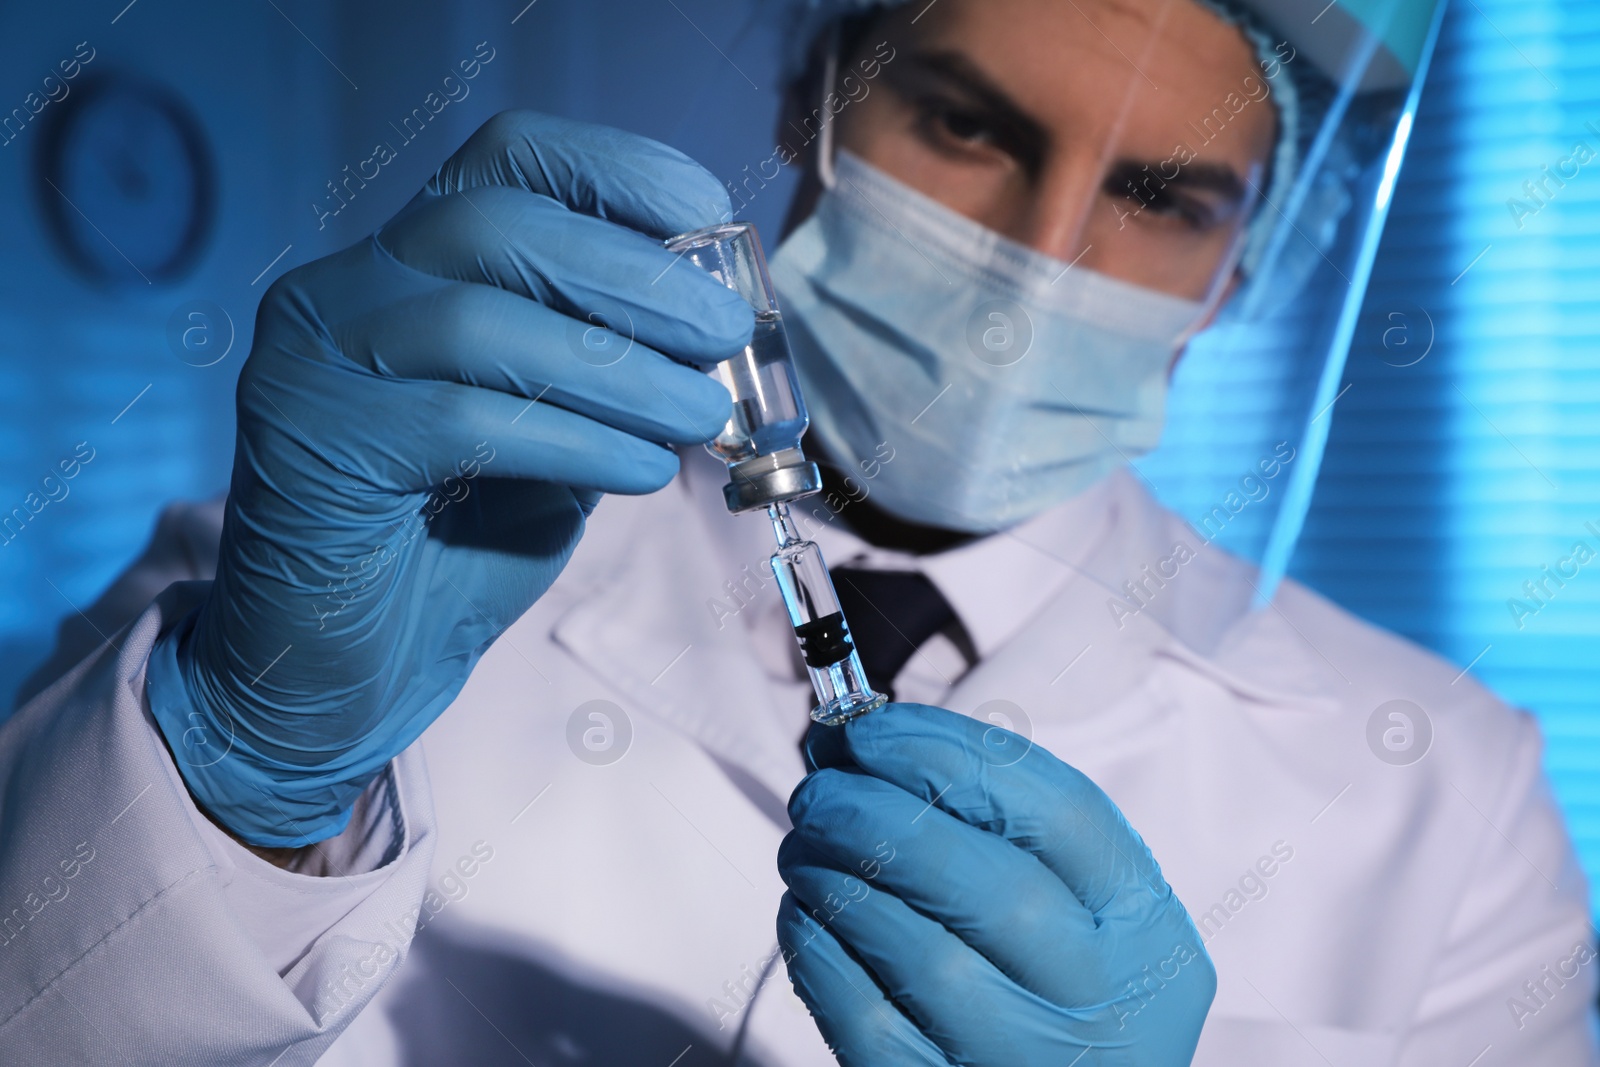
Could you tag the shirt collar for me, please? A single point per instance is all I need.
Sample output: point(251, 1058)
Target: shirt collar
point(996, 583)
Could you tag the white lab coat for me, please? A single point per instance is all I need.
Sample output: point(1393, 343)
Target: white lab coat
point(1359, 913)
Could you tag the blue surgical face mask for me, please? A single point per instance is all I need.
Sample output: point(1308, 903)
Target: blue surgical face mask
point(1004, 381)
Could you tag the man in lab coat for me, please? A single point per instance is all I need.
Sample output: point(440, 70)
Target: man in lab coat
point(227, 839)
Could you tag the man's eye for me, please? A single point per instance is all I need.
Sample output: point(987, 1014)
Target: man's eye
point(966, 127)
point(943, 122)
point(1157, 203)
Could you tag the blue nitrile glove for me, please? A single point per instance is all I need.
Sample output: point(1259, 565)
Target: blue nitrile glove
point(951, 903)
point(425, 420)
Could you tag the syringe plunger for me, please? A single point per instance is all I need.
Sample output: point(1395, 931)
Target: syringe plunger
point(832, 661)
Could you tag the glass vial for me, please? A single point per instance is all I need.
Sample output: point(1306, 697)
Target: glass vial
point(761, 442)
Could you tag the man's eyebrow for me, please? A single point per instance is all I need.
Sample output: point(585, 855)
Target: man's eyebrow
point(1199, 175)
point(955, 72)
point(951, 70)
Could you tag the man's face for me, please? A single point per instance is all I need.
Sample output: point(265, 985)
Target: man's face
point(1038, 118)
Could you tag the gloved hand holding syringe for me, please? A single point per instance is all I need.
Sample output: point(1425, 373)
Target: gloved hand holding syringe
point(767, 468)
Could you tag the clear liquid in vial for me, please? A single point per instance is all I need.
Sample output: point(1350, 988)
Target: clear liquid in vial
point(768, 414)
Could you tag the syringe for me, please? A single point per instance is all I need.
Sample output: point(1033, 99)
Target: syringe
point(767, 467)
point(831, 659)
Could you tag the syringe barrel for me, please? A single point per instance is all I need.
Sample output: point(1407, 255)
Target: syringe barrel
point(830, 655)
point(761, 441)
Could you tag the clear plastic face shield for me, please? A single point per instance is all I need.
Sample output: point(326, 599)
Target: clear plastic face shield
point(1033, 209)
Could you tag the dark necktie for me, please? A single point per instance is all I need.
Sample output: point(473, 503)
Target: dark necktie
point(891, 613)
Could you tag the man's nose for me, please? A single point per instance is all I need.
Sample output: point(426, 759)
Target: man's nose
point(1059, 202)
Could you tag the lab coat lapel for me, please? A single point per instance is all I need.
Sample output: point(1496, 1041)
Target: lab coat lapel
point(1084, 655)
point(1071, 662)
point(649, 631)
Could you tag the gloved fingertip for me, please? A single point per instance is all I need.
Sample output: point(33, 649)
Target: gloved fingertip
point(736, 321)
point(707, 405)
point(795, 930)
point(596, 170)
point(827, 746)
point(711, 205)
point(665, 470)
point(645, 468)
point(718, 325)
point(897, 724)
point(791, 851)
point(695, 198)
point(830, 794)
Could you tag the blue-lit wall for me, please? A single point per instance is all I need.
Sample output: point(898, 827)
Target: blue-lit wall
point(74, 355)
point(287, 95)
point(1448, 482)
point(1452, 481)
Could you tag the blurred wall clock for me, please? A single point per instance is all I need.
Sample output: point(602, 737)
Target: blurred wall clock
point(125, 181)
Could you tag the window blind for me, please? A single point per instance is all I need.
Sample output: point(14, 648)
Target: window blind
point(1459, 502)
